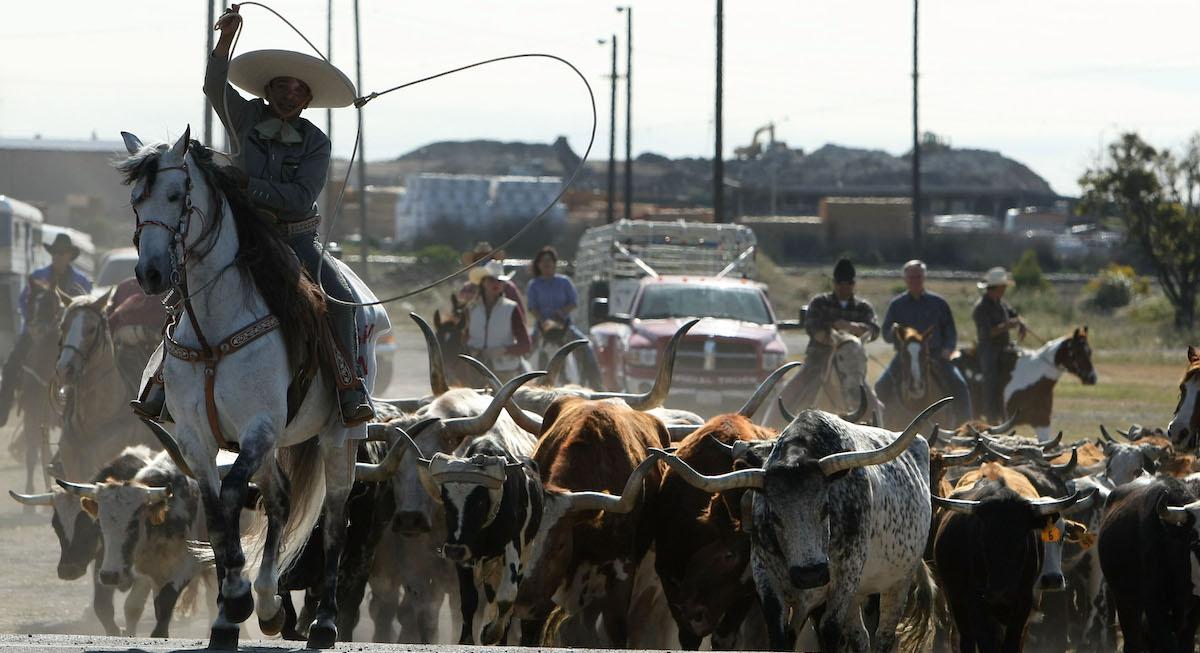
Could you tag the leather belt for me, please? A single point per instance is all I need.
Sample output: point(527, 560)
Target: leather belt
point(289, 229)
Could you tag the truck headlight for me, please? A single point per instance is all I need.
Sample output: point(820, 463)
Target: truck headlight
point(641, 357)
point(773, 359)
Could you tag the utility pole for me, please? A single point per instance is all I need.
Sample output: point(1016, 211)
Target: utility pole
point(362, 150)
point(612, 136)
point(208, 53)
point(628, 111)
point(916, 152)
point(327, 206)
point(718, 156)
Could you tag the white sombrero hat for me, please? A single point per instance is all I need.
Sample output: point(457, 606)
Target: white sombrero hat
point(995, 277)
point(330, 88)
point(490, 269)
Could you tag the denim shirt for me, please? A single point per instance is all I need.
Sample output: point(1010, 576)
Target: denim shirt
point(73, 283)
point(920, 313)
point(549, 296)
point(285, 178)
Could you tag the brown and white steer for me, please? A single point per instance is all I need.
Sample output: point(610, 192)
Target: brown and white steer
point(1029, 382)
point(594, 466)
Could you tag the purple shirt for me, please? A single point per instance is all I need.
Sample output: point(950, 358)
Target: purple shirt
point(548, 297)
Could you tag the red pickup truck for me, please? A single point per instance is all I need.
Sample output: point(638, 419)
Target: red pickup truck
point(719, 362)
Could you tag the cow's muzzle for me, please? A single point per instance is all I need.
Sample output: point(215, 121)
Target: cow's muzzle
point(809, 577)
point(1052, 583)
point(110, 578)
point(411, 523)
point(456, 552)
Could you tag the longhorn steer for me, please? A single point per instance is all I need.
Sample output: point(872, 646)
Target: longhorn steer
point(145, 524)
point(1147, 550)
point(583, 560)
point(988, 556)
point(839, 514)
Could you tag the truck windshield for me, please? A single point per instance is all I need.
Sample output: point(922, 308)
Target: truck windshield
point(685, 300)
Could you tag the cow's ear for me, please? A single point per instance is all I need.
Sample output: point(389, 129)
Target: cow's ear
point(1192, 355)
point(89, 506)
point(158, 514)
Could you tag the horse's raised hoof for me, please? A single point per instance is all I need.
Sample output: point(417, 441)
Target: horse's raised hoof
point(322, 634)
point(238, 608)
point(223, 638)
point(272, 627)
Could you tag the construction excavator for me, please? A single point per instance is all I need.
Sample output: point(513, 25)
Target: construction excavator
point(755, 149)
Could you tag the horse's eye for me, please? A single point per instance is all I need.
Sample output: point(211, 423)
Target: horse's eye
point(173, 197)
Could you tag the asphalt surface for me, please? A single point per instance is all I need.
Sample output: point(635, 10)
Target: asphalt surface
point(58, 643)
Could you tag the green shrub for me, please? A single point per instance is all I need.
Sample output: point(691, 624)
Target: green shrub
point(437, 257)
point(1027, 273)
point(1114, 287)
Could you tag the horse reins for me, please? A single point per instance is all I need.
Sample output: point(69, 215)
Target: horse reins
point(206, 354)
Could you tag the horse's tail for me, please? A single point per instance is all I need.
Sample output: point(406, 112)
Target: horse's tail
point(303, 469)
point(917, 625)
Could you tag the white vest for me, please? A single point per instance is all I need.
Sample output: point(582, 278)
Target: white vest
point(494, 330)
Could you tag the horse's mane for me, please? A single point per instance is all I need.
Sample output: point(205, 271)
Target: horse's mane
point(262, 255)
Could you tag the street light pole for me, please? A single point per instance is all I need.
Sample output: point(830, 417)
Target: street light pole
point(628, 110)
point(718, 157)
point(362, 150)
point(916, 151)
point(612, 136)
point(208, 53)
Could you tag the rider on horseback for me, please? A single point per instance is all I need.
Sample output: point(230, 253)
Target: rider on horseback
point(60, 275)
point(495, 324)
point(285, 159)
point(993, 320)
point(838, 310)
point(923, 310)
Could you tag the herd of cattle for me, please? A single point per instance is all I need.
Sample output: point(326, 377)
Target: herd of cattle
point(559, 515)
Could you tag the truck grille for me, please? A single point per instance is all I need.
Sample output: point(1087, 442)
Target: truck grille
point(705, 354)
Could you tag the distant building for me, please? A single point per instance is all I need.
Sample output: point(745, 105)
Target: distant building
point(473, 202)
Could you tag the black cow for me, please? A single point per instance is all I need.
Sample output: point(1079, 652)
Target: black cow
point(369, 509)
point(988, 556)
point(1147, 542)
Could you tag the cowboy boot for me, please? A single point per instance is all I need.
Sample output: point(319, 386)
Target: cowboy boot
point(152, 402)
point(353, 399)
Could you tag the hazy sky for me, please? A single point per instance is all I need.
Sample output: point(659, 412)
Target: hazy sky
point(1042, 82)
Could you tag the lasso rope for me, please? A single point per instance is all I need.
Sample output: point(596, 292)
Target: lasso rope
point(359, 103)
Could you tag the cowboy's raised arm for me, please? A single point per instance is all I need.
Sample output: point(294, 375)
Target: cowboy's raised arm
point(228, 103)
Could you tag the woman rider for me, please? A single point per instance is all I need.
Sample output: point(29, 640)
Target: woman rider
point(286, 160)
point(495, 324)
point(552, 298)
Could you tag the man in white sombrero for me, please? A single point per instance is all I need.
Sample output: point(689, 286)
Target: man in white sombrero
point(286, 160)
point(993, 320)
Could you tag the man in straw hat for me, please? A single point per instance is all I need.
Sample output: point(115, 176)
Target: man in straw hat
point(993, 320)
point(286, 160)
point(59, 275)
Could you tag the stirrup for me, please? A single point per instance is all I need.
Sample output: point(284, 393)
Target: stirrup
point(355, 406)
point(152, 405)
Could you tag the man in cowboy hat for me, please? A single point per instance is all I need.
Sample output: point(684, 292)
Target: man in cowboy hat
point(839, 310)
point(286, 160)
point(993, 320)
point(476, 256)
point(59, 275)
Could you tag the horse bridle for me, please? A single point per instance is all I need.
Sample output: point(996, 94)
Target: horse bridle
point(926, 358)
point(178, 233)
point(84, 352)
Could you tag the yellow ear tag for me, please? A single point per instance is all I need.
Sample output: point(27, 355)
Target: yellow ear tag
point(1051, 533)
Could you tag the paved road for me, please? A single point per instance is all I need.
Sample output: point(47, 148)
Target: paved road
point(58, 643)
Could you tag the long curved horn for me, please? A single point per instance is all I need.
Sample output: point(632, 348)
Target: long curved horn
point(964, 458)
point(1051, 506)
point(1047, 446)
point(764, 390)
point(559, 359)
point(170, 445)
point(837, 462)
point(527, 421)
point(437, 365)
point(1176, 515)
point(1107, 436)
point(727, 447)
point(863, 404)
point(657, 394)
point(1005, 426)
point(468, 426)
point(996, 452)
point(621, 504)
point(78, 489)
point(1068, 466)
point(934, 434)
point(741, 479)
point(965, 506)
point(784, 411)
point(387, 468)
point(43, 499)
point(1085, 501)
